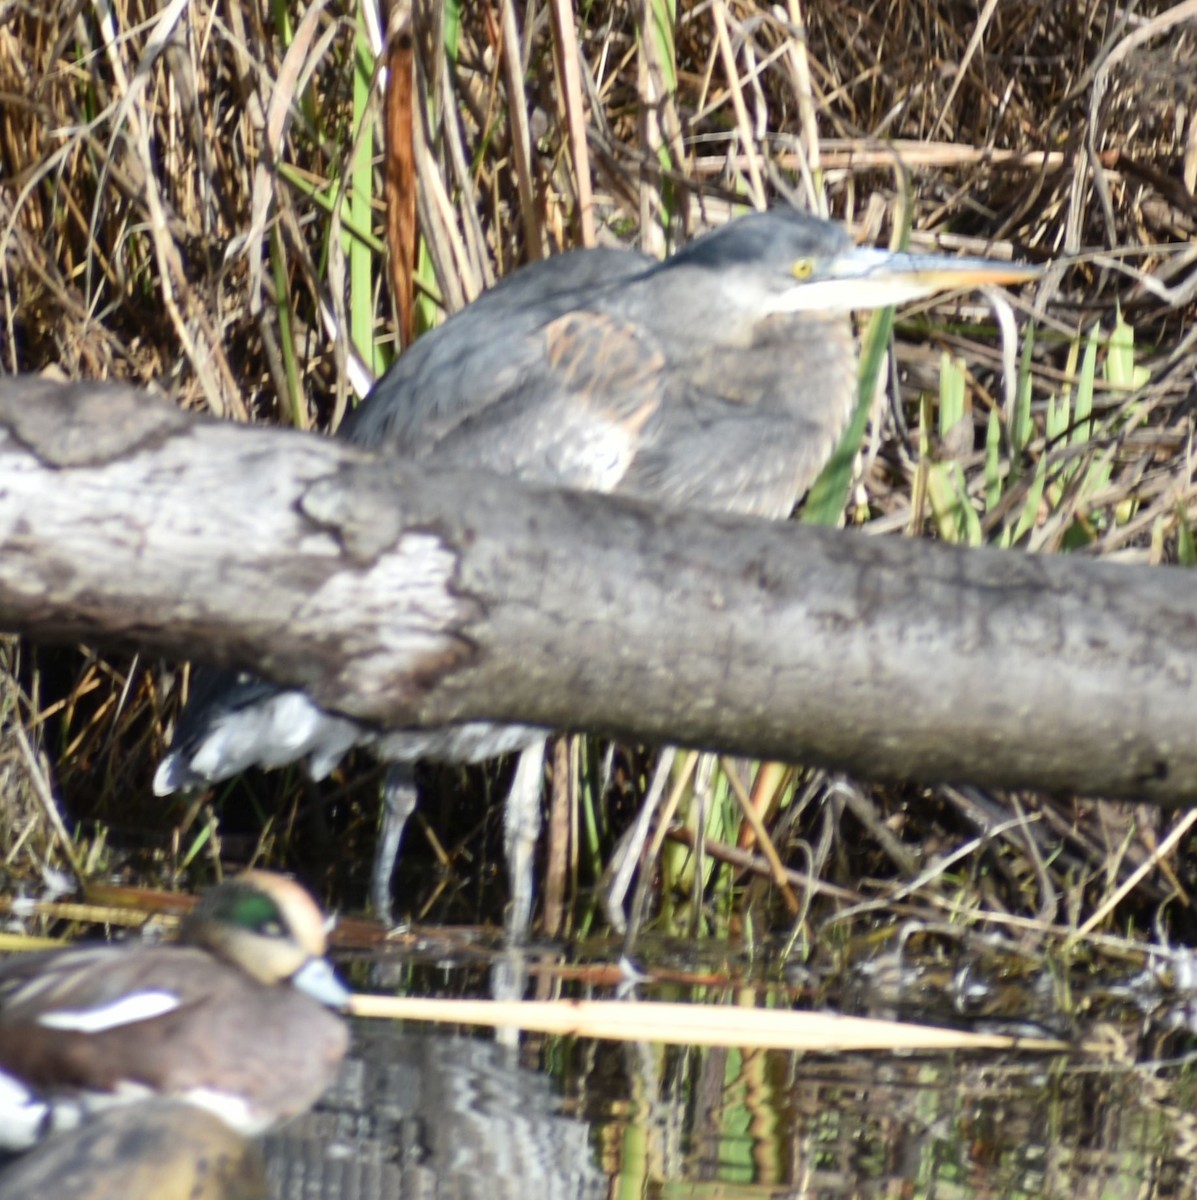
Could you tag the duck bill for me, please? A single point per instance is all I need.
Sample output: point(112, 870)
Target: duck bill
point(317, 978)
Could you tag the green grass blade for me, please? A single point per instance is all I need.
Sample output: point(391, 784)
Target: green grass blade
point(451, 25)
point(662, 18)
point(952, 408)
point(361, 261)
point(1030, 510)
point(993, 460)
point(1082, 426)
point(1022, 427)
point(286, 329)
point(1120, 370)
point(1186, 547)
point(825, 504)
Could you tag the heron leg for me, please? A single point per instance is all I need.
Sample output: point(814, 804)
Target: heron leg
point(398, 803)
point(521, 826)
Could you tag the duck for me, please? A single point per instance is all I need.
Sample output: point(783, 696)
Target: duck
point(239, 1016)
point(154, 1150)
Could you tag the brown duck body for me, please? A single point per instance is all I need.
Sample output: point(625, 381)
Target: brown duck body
point(88, 1027)
point(159, 1150)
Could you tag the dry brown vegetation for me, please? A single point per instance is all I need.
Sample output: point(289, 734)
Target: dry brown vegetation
point(191, 199)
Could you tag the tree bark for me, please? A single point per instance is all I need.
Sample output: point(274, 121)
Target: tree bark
point(412, 598)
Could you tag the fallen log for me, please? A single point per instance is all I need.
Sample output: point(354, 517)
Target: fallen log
point(410, 598)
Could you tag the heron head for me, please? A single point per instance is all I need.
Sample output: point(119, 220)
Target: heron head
point(786, 261)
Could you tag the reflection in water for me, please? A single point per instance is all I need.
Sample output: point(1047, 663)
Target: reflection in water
point(420, 1115)
point(414, 1114)
point(778, 1124)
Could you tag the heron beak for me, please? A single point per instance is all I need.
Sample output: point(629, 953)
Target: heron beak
point(864, 277)
point(927, 274)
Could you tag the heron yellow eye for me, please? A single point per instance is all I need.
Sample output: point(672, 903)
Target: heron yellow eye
point(802, 268)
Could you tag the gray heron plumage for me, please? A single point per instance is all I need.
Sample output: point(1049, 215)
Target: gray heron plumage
point(720, 379)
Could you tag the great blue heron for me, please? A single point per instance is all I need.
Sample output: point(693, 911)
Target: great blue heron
point(719, 379)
